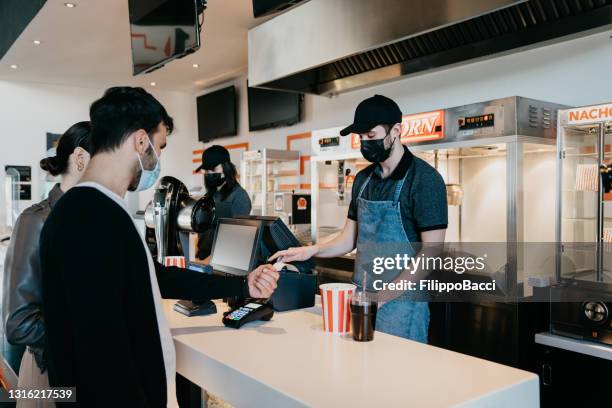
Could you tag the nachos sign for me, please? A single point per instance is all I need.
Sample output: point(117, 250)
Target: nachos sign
point(590, 114)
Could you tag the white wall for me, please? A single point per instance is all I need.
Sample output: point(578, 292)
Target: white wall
point(28, 111)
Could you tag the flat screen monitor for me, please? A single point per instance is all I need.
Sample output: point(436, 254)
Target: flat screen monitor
point(266, 7)
point(234, 248)
point(162, 30)
point(268, 109)
point(276, 236)
point(217, 114)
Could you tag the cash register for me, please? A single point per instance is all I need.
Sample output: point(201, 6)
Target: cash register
point(239, 246)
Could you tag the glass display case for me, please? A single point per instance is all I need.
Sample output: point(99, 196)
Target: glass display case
point(585, 201)
point(582, 294)
point(266, 172)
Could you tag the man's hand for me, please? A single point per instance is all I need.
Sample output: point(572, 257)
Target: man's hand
point(262, 281)
point(295, 254)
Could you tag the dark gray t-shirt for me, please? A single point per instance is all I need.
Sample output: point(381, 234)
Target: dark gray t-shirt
point(236, 203)
point(423, 202)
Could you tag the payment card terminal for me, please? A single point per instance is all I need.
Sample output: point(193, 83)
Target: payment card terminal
point(250, 311)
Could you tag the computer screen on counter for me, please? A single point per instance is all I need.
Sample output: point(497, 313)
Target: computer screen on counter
point(234, 248)
point(276, 236)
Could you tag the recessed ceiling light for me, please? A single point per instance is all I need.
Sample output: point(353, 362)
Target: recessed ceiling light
point(153, 84)
point(36, 42)
point(70, 5)
point(196, 65)
point(14, 66)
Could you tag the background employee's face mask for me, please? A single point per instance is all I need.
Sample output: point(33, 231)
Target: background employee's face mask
point(148, 177)
point(212, 181)
point(375, 151)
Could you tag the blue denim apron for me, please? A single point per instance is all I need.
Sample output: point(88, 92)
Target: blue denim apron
point(381, 230)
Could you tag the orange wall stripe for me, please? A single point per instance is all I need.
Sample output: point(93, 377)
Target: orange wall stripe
point(303, 160)
point(287, 187)
point(297, 136)
point(228, 147)
point(328, 186)
point(237, 146)
point(322, 186)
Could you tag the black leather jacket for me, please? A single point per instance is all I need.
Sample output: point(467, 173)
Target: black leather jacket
point(22, 300)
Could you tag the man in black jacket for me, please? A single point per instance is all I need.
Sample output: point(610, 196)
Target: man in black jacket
point(106, 331)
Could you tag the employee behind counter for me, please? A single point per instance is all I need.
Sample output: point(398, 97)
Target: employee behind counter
point(220, 180)
point(399, 200)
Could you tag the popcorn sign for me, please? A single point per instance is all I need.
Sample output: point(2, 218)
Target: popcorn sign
point(420, 127)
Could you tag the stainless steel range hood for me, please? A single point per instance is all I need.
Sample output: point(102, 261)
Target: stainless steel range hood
point(329, 46)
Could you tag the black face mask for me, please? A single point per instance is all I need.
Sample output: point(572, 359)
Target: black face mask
point(374, 151)
point(212, 181)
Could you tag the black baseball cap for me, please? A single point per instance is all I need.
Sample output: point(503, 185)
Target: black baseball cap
point(374, 111)
point(213, 156)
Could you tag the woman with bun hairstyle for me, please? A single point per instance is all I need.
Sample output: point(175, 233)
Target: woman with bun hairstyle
point(24, 323)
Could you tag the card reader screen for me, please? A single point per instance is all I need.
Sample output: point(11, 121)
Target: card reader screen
point(253, 305)
point(233, 246)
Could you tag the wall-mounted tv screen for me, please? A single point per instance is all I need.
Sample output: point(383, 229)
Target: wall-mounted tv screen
point(162, 30)
point(217, 114)
point(266, 7)
point(269, 109)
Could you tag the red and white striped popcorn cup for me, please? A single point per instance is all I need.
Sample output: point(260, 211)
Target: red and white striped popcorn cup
point(335, 302)
point(175, 261)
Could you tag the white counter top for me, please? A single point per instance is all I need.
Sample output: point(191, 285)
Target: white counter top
point(578, 346)
point(290, 361)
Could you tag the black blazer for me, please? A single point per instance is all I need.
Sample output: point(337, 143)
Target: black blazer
point(101, 328)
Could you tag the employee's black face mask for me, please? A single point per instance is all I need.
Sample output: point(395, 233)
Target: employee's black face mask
point(212, 181)
point(375, 151)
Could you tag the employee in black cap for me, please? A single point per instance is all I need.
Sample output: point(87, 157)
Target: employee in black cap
point(221, 182)
point(398, 202)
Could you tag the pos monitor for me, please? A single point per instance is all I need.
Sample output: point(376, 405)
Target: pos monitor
point(276, 236)
point(241, 244)
point(235, 246)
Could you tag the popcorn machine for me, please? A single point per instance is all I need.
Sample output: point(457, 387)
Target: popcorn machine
point(582, 295)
